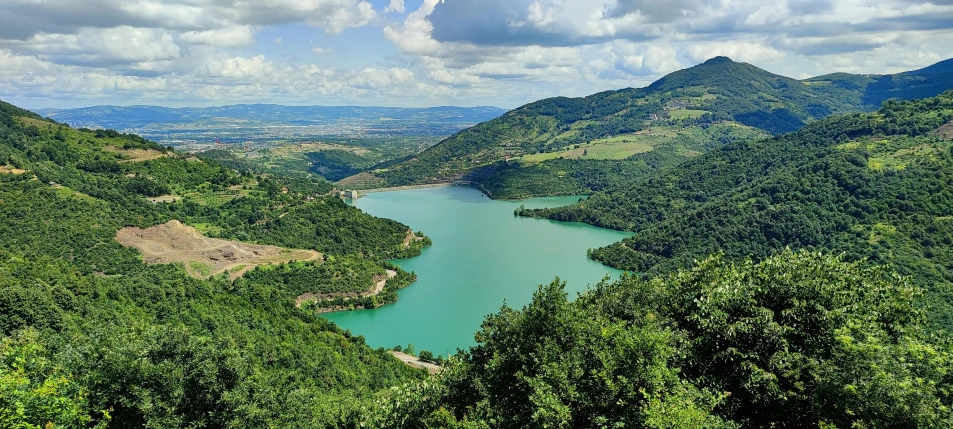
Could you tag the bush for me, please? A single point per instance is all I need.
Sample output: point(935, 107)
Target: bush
point(426, 356)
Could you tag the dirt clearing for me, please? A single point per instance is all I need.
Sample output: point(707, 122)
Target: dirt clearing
point(410, 238)
point(946, 131)
point(375, 289)
point(137, 155)
point(11, 170)
point(164, 199)
point(202, 256)
point(415, 362)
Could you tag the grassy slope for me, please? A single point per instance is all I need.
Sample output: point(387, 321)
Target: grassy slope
point(873, 185)
point(152, 344)
point(730, 91)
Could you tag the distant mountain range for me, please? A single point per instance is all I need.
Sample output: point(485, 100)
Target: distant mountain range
point(138, 117)
point(717, 92)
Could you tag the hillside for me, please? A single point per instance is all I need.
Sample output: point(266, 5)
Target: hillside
point(575, 145)
point(182, 341)
point(874, 186)
point(758, 335)
point(798, 340)
point(872, 90)
point(93, 336)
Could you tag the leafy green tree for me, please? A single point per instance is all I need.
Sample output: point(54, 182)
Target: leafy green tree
point(797, 340)
point(35, 392)
point(426, 356)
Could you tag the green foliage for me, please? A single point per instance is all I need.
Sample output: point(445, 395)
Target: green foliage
point(326, 224)
point(584, 176)
point(35, 393)
point(149, 344)
point(337, 164)
point(334, 276)
point(798, 340)
point(872, 90)
point(727, 90)
point(882, 194)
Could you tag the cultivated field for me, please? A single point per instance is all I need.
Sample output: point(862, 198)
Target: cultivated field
point(360, 181)
point(686, 113)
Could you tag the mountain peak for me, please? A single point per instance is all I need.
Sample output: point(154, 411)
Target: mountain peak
point(718, 60)
point(718, 72)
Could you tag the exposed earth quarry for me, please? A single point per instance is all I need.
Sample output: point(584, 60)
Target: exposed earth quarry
point(175, 242)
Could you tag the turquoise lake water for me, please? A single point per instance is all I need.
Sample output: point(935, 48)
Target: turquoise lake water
point(482, 255)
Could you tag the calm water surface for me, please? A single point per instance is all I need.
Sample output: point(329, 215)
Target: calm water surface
point(482, 254)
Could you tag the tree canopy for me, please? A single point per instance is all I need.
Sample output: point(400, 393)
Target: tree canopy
point(797, 340)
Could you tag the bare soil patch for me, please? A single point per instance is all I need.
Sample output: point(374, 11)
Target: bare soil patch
point(136, 155)
point(174, 242)
point(164, 199)
point(410, 238)
point(946, 131)
point(11, 170)
point(376, 288)
point(415, 362)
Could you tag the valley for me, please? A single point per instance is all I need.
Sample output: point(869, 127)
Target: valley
point(482, 256)
point(725, 248)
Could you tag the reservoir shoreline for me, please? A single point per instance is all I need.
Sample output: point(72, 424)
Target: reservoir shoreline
point(482, 256)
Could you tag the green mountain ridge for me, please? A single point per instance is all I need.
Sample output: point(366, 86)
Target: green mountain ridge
point(717, 92)
point(91, 335)
point(873, 185)
point(758, 335)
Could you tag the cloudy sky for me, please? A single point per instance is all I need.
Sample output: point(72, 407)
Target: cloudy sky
point(69, 53)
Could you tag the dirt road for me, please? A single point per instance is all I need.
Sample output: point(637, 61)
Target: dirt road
point(415, 362)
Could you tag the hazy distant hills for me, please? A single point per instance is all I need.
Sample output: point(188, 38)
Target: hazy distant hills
point(718, 92)
point(136, 117)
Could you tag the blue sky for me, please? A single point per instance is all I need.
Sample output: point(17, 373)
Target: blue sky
point(66, 53)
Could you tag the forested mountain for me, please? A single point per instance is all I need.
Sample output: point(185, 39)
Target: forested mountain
point(577, 145)
point(872, 90)
point(876, 186)
point(798, 340)
point(90, 335)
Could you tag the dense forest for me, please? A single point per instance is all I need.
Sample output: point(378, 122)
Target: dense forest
point(757, 336)
point(797, 340)
point(874, 186)
point(717, 92)
point(92, 336)
point(848, 330)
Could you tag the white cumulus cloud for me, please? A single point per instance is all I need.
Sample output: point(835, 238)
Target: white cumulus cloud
point(230, 37)
point(395, 6)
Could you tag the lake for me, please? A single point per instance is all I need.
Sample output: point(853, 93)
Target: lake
point(482, 255)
